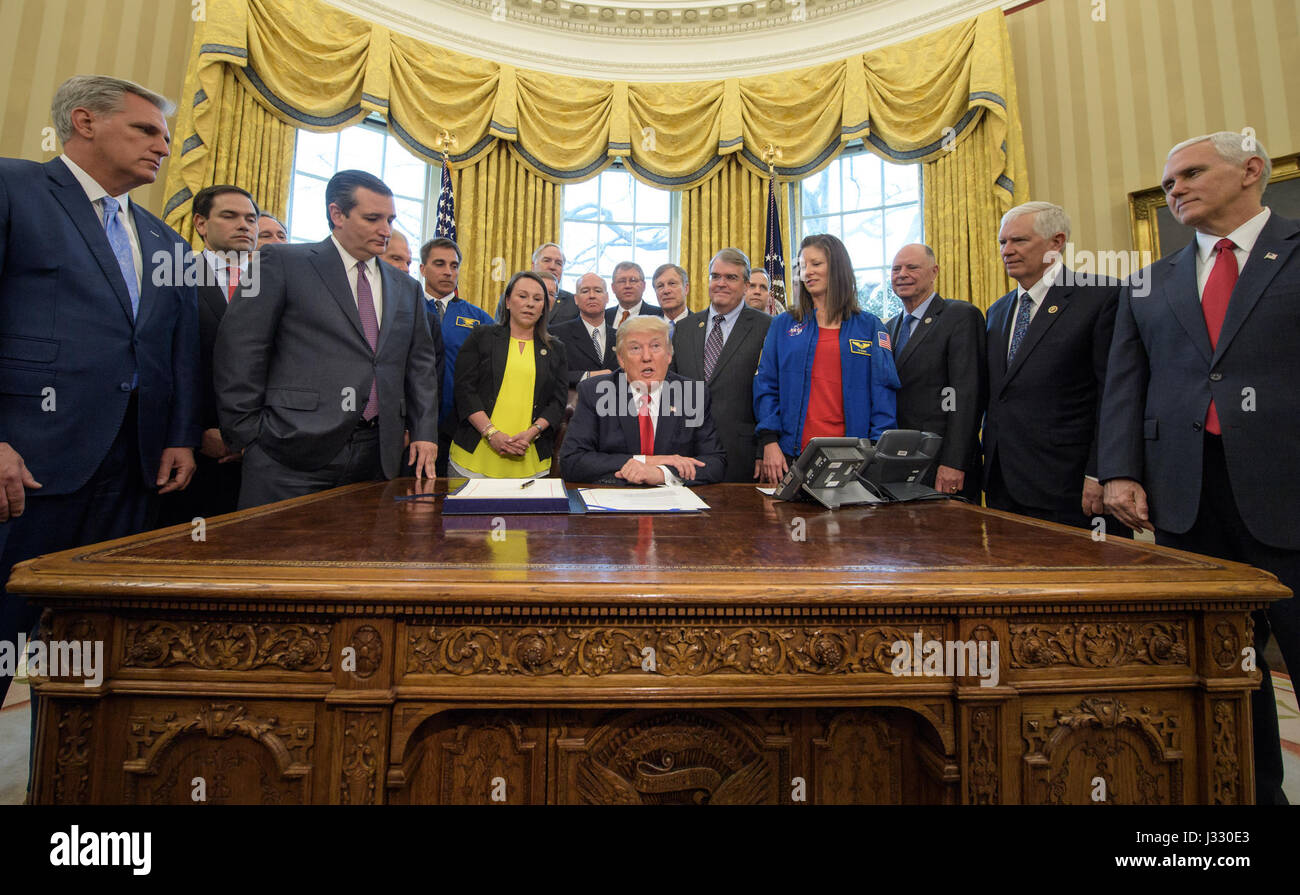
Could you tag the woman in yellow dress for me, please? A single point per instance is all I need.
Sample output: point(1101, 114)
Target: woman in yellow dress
point(511, 387)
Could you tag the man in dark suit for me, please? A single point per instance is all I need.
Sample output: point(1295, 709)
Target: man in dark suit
point(629, 286)
point(720, 346)
point(582, 335)
point(1047, 347)
point(939, 347)
point(645, 426)
point(226, 219)
point(672, 285)
point(320, 374)
point(1201, 413)
point(99, 342)
point(548, 258)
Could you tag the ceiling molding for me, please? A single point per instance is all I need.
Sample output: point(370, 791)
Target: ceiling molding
point(609, 42)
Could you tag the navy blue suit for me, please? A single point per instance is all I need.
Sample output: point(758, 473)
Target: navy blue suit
point(603, 435)
point(69, 354)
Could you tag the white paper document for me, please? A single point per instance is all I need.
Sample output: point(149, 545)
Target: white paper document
point(513, 489)
point(664, 499)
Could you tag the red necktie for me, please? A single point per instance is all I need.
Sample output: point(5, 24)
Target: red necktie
point(647, 427)
point(1214, 305)
point(623, 319)
point(232, 281)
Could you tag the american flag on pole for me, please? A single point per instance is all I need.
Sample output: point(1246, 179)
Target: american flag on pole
point(446, 225)
point(773, 253)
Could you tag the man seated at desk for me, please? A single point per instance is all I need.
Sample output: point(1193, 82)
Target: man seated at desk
point(644, 425)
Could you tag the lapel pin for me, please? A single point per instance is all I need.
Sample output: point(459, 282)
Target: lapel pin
point(543, 352)
point(672, 409)
point(701, 324)
point(1271, 256)
point(1052, 310)
point(928, 320)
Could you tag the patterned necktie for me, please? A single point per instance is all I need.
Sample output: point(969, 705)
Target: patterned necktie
point(232, 281)
point(647, 427)
point(713, 346)
point(370, 326)
point(121, 243)
point(595, 340)
point(1214, 305)
point(623, 319)
point(904, 333)
point(1022, 325)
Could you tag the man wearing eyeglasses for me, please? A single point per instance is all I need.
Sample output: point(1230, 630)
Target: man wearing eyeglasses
point(629, 286)
point(720, 346)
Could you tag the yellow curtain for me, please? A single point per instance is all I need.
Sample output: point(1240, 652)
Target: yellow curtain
point(933, 100)
point(730, 209)
point(503, 212)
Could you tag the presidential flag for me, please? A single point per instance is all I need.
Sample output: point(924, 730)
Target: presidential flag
point(773, 253)
point(446, 225)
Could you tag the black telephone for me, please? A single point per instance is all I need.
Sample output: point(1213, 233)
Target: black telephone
point(844, 471)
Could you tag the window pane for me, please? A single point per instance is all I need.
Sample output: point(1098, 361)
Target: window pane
point(410, 220)
point(362, 149)
point(315, 153)
point(902, 226)
point(582, 200)
point(310, 223)
point(821, 192)
point(616, 196)
point(874, 294)
point(902, 183)
point(862, 178)
point(405, 174)
point(822, 225)
point(652, 205)
point(863, 237)
point(580, 248)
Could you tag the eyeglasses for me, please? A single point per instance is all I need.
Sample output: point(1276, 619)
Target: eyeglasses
point(732, 278)
point(628, 281)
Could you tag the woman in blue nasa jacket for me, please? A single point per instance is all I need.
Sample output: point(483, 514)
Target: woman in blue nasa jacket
point(823, 373)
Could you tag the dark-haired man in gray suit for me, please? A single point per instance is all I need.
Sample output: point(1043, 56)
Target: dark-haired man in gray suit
point(319, 374)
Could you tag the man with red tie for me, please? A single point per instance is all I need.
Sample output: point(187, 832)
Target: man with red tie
point(643, 425)
point(226, 218)
point(1201, 413)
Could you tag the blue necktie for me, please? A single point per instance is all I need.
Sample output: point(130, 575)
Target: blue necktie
point(121, 243)
point(904, 333)
point(1022, 325)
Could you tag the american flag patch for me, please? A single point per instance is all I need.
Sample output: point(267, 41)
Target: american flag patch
point(882, 339)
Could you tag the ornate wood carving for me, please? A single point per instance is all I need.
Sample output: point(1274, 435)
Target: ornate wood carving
point(860, 761)
point(1225, 645)
point(150, 736)
point(1098, 644)
point(678, 649)
point(359, 774)
point(1102, 737)
point(982, 757)
point(226, 646)
point(72, 754)
point(369, 648)
point(1225, 786)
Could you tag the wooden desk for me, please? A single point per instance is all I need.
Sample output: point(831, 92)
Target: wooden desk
point(345, 647)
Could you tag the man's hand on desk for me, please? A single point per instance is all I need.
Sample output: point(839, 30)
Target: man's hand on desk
point(634, 472)
point(1126, 500)
point(422, 457)
point(684, 466)
point(948, 480)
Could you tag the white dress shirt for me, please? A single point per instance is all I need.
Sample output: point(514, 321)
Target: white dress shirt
point(912, 318)
point(96, 193)
point(728, 322)
point(1243, 238)
point(656, 392)
point(350, 264)
point(217, 264)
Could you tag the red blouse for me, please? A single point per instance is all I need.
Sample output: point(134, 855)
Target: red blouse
point(825, 416)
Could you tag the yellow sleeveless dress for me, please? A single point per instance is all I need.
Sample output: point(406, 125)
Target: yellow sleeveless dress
point(511, 414)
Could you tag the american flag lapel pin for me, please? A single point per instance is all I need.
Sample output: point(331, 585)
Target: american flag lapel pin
point(1271, 256)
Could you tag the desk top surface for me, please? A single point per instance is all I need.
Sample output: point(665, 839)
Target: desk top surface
point(357, 539)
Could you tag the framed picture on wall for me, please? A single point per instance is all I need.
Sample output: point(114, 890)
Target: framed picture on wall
point(1156, 231)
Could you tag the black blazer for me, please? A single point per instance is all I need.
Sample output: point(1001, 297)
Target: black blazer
point(946, 351)
point(612, 314)
point(598, 442)
point(565, 308)
point(480, 367)
point(581, 352)
point(1043, 412)
point(732, 385)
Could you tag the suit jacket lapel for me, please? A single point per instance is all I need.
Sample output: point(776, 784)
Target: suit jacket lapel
point(670, 419)
point(388, 276)
point(922, 329)
point(627, 417)
point(151, 243)
point(1000, 333)
point(610, 360)
point(1058, 298)
point(739, 332)
point(1185, 299)
point(329, 265)
point(500, 354)
point(1255, 277)
point(81, 212)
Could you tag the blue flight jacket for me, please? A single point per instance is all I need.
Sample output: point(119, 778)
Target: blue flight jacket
point(457, 324)
point(784, 380)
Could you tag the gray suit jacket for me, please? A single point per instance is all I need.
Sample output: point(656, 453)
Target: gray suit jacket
point(292, 367)
point(945, 352)
point(731, 388)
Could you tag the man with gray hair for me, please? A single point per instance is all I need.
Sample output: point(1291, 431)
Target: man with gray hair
point(548, 258)
point(1201, 413)
point(1047, 345)
point(99, 380)
point(672, 285)
point(720, 346)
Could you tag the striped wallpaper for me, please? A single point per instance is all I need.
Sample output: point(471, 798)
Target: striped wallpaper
point(45, 42)
point(1101, 103)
